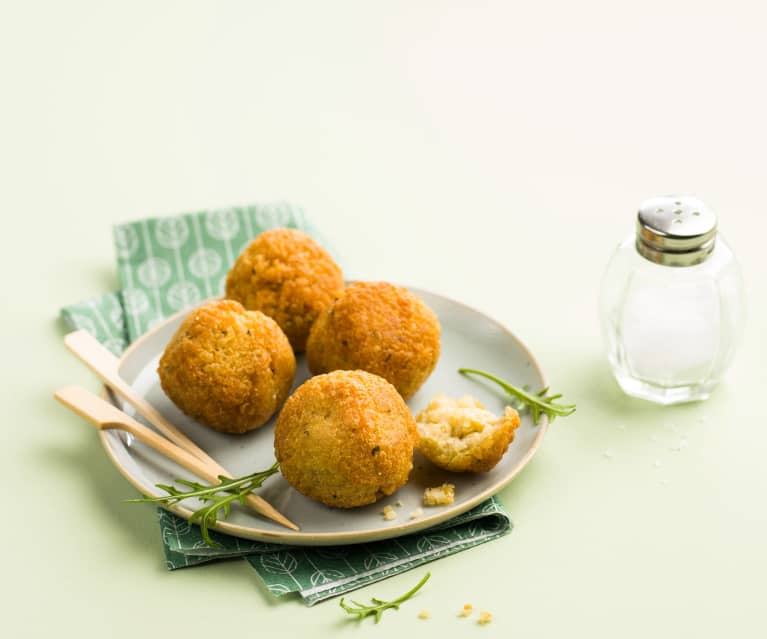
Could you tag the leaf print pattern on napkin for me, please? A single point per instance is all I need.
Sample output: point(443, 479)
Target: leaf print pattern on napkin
point(183, 294)
point(171, 232)
point(222, 224)
point(126, 241)
point(153, 272)
point(430, 542)
point(378, 558)
point(280, 563)
point(329, 575)
point(174, 527)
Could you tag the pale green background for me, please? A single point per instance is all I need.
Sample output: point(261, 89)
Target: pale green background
point(492, 152)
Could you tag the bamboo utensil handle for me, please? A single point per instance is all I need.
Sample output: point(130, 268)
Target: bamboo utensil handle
point(106, 416)
point(105, 365)
point(102, 362)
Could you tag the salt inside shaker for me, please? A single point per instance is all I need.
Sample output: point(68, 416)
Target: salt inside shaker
point(672, 303)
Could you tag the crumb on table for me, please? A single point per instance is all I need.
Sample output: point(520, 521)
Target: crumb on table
point(485, 617)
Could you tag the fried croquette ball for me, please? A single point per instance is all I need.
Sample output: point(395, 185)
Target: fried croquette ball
point(228, 368)
point(380, 328)
point(460, 435)
point(286, 275)
point(345, 439)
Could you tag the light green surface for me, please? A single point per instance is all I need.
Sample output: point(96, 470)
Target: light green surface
point(483, 153)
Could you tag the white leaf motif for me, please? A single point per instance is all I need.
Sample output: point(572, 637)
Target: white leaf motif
point(374, 560)
point(204, 263)
point(273, 216)
point(325, 576)
point(430, 542)
point(154, 272)
point(173, 526)
point(222, 224)
point(136, 301)
point(117, 319)
point(171, 232)
point(279, 563)
point(183, 294)
point(126, 241)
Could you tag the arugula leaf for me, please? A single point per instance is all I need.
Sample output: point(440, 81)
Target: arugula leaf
point(362, 611)
point(539, 403)
point(221, 497)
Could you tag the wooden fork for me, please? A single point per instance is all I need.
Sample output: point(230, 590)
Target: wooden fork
point(105, 416)
point(105, 365)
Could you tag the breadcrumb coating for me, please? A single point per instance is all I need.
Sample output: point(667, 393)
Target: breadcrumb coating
point(228, 368)
point(460, 435)
point(380, 328)
point(345, 438)
point(288, 276)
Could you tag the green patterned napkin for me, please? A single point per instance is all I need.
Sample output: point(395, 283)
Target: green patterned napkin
point(167, 264)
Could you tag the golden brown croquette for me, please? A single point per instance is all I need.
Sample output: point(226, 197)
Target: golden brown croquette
point(345, 439)
point(228, 368)
point(380, 328)
point(460, 435)
point(286, 275)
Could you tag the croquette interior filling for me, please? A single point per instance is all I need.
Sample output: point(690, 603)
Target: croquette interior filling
point(456, 425)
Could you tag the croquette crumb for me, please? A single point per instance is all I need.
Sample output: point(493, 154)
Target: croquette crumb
point(424, 614)
point(466, 610)
point(460, 435)
point(398, 503)
point(389, 513)
point(439, 495)
point(485, 618)
point(418, 512)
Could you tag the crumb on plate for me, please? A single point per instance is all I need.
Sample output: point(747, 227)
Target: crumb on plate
point(439, 495)
point(389, 513)
point(424, 614)
point(485, 618)
point(466, 610)
point(418, 512)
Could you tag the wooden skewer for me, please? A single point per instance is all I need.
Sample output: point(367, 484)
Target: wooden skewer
point(105, 365)
point(105, 416)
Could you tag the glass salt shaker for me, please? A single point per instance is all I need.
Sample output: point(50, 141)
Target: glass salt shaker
point(672, 303)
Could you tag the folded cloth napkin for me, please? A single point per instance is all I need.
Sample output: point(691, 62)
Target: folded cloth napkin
point(167, 264)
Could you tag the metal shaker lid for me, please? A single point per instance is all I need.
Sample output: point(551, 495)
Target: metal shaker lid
point(675, 230)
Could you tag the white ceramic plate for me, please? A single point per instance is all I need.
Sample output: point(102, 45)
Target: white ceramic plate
point(469, 339)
